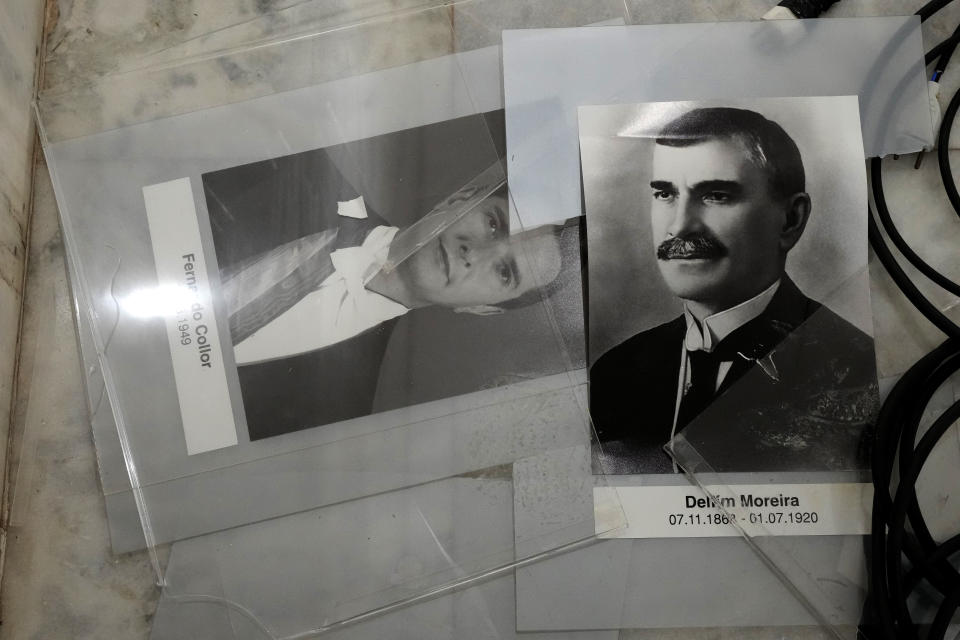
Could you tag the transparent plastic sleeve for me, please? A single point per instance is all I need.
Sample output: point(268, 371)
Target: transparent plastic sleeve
point(674, 211)
point(779, 445)
point(319, 333)
point(880, 60)
point(863, 99)
point(835, 574)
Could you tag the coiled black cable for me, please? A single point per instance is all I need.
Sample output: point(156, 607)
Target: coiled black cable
point(931, 8)
point(943, 152)
point(895, 444)
point(876, 179)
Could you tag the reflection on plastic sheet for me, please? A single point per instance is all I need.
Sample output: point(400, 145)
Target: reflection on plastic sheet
point(878, 59)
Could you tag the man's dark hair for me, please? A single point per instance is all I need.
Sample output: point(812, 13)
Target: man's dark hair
point(769, 146)
point(568, 237)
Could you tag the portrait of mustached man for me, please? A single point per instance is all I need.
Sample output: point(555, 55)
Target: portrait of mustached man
point(772, 378)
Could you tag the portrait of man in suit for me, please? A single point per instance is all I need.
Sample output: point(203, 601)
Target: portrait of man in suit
point(368, 257)
point(752, 372)
point(331, 286)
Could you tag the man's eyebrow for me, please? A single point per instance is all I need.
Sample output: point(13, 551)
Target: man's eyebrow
point(719, 185)
point(662, 185)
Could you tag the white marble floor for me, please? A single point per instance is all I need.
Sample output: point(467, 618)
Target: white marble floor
point(61, 580)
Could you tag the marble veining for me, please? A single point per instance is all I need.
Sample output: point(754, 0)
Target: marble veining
point(66, 583)
point(61, 580)
point(100, 80)
point(19, 39)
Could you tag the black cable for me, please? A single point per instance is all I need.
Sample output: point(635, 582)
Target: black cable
point(931, 8)
point(943, 152)
point(949, 46)
point(889, 587)
point(922, 541)
point(945, 47)
point(934, 53)
point(939, 627)
point(944, 551)
point(905, 494)
point(883, 212)
point(943, 51)
point(887, 436)
point(906, 286)
point(901, 558)
point(807, 8)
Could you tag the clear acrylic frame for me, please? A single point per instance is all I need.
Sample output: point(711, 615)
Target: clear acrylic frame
point(468, 432)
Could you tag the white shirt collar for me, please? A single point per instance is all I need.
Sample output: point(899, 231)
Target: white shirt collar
point(339, 309)
point(720, 325)
point(362, 263)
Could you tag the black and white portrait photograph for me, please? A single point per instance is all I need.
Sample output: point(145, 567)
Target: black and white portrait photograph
point(728, 299)
point(384, 273)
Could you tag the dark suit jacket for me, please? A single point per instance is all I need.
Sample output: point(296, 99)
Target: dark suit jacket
point(315, 388)
point(814, 417)
point(318, 387)
point(322, 386)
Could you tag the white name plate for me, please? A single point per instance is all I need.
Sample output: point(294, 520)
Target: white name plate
point(183, 299)
point(749, 509)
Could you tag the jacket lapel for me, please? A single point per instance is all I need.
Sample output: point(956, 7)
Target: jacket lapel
point(283, 276)
point(758, 339)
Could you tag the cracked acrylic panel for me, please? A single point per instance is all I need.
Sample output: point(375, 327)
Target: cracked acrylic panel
point(700, 228)
point(730, 328)
point(877, 59)
point(192, 239)
point(429, 92)
point(485, 610)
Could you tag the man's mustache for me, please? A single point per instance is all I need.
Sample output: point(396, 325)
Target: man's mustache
point(691, 247)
